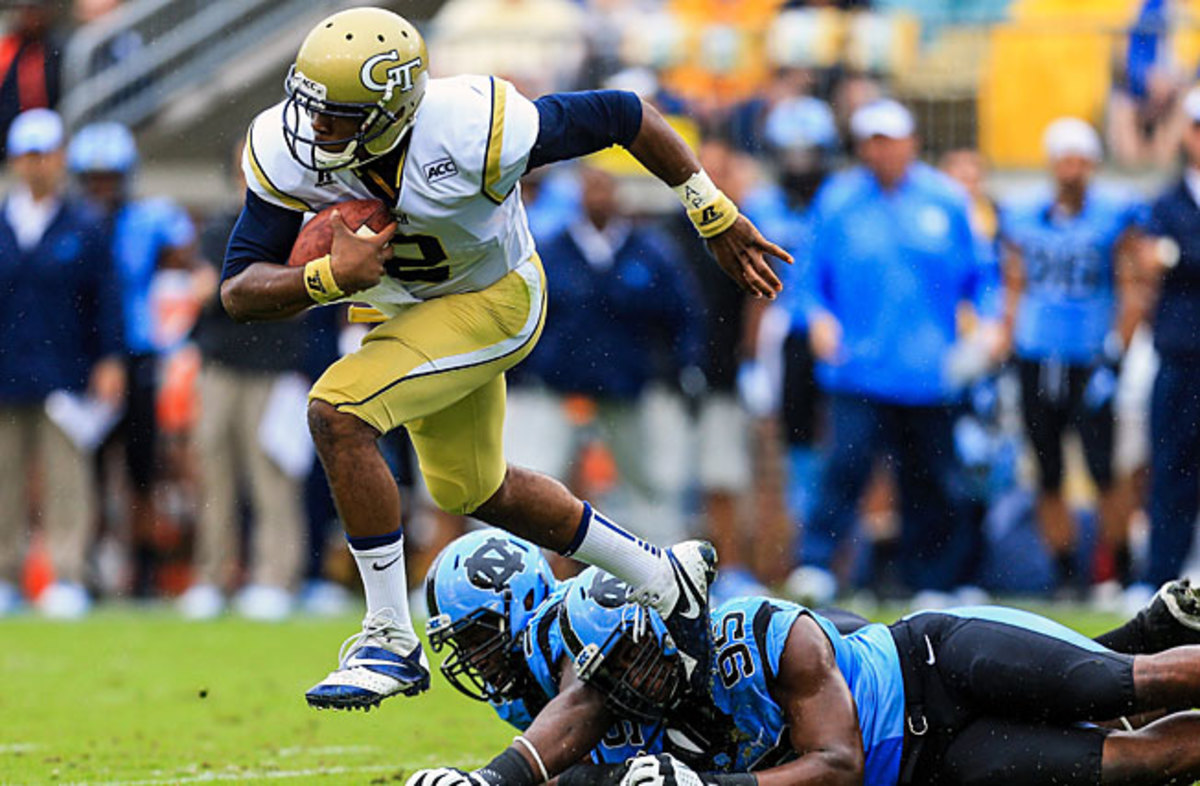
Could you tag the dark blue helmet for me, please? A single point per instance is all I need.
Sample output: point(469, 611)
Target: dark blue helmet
point(482, 591)
point(620, 648)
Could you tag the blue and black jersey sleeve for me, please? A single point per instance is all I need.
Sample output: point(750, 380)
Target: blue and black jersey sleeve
point(263, 233)
point(571, 125)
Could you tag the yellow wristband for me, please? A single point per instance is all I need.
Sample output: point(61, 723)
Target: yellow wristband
point(319, 281)
point(714, 217)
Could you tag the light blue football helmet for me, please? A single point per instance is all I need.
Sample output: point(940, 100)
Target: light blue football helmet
point(102, 147)
point(482, 591)
point(621, 648)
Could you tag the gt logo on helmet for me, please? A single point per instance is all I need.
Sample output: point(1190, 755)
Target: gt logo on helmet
point(400, 76)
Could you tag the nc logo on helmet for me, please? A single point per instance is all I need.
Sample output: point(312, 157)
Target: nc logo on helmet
point(399, 76)
point(493, 564)
point(608, 591)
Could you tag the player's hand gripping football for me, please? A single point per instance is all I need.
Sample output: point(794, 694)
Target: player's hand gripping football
point(741, 252)
point(358, 261)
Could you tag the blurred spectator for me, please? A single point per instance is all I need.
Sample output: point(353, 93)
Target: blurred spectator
point(245, 369)
point(121, 46)
point(802, 140)
point(723, 60)
point(617, 292)
point(1174, 256)
point(30, 61)
point(969, 169)
point(147, 236)
point(540, 43)
point(62, 328)
point(1070, 323)
point(1145, 123)
point(892, 257)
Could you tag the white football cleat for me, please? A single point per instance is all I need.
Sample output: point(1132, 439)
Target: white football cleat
point(682, 590)
point(201, 602)
point(680, 596)
point(1182, 601)
point(64, 600)
point(381, 661)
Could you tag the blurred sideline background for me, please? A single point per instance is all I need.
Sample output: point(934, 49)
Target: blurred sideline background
point(765, 88)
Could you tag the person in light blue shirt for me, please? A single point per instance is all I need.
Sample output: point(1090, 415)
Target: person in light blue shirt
point(892, 257)
point(1070, 324)
point(146, 235)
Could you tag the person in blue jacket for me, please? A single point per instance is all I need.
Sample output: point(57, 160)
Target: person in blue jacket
point(891, 258)
point(1174, 260)
point(62, 330)
point(147, 235)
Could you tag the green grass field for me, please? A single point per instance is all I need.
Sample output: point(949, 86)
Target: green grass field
point(142, 697)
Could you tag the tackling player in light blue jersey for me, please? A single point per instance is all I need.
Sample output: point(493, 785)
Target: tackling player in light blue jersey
point(979, 695)
point(750, 636)
point(972, 695)
point(1068, 279)
point(493, 602)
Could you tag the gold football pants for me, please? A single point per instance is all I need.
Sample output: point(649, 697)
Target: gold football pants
point(437, 369)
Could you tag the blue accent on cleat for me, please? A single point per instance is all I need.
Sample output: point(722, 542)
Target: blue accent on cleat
point(368, 675)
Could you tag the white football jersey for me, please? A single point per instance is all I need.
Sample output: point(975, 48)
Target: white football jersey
point(462, 226)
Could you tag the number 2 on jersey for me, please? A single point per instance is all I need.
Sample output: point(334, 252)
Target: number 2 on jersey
point(417, 258)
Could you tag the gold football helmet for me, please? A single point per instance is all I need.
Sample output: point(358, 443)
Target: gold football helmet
point(363, 63)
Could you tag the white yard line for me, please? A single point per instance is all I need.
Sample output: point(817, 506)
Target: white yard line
point(246, 775)
point(249, 775)
point(327, 750)
point(18, 747)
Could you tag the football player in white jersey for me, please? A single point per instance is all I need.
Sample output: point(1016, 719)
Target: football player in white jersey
point(461, 292)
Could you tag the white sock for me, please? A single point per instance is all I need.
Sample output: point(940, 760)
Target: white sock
point(385, 582)
point(615, 549)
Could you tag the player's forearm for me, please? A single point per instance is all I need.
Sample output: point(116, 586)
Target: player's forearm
point(817, 768)
point(264, 291)
point(572, 724)
point(662, 151)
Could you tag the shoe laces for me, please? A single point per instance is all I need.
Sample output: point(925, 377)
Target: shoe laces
point(375, 629)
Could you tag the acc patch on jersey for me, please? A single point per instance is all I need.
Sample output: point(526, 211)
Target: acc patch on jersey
point(440, 170)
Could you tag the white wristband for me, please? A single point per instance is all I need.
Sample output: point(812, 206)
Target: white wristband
point(536, 757)
point(697, 191)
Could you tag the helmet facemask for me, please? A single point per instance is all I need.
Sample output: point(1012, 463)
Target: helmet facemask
point(378, 128)
point(482, 648)
point(638, 674)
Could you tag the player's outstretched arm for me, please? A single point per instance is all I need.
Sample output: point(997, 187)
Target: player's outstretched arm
point(572, 724)
point(736, 244)
point(821, 717)
point(571, 125)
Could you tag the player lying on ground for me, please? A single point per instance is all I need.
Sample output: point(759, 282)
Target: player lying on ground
point(981, 695)
point(515, 663)
point(462, 292)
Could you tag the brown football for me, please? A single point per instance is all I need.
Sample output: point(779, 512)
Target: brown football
point(316, 237)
